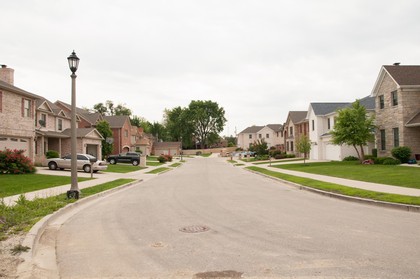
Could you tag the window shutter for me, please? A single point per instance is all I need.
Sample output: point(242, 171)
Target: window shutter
point(1, 101)
point(23, 107)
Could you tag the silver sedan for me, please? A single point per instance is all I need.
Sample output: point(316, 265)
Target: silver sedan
point(83, 163)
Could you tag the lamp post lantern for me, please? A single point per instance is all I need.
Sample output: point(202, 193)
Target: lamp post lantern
point(73, 65)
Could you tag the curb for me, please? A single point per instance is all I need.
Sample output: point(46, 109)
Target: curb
point(400, 206)
point(25, 269)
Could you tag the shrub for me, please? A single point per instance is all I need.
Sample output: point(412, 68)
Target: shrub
point(289, 156)
point(351, 158)
point(369, 157)
point(164, 158)
point(261, 157)
point(402, 153)
point(380, 160)
point(279, 156)
point(51, 154)
point(14, 162)
point(198, 153)
point(391, 161)
point(274, 153)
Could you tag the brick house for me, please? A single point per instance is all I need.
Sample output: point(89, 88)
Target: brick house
point(295, 126)
point(166, 148)
point(397, 95)
point(121, 131)
point(272, 134)
point(17, 115)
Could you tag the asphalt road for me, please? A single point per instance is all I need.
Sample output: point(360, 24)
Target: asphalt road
point(256, 227)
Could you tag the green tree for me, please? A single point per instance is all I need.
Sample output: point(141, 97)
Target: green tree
point(206, 118)
point(260, 147)
point(121, 109)
point(105, 130)
point(353, 127)
point(178, 126)
point(158, 131)
point(303, 145)
point(100, 108)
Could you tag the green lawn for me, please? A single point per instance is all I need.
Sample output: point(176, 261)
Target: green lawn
point(22, 216)
point(17, 184)
point(340, 189)
point(123, 168)
point(158, 170)
point(383, 174)
point(174, 165)
point(154, 164)
point(152, 158)
point(277, 161)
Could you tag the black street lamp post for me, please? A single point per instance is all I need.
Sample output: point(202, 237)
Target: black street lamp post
point(73, 65)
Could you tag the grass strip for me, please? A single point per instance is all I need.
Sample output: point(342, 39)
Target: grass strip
point(22, 216)
point(15, 184)
point(123, 168)
point(154, 164)
point(383, 174)
point(276, 161)
point(340, 189)
point(158, 170)
point(232, 161)
point(174, 165)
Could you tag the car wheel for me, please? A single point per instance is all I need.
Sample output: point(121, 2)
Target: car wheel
point(52, 165)
point(135, 162)
point(86, 168)
point(112, 161)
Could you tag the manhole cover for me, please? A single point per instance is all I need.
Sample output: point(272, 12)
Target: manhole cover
point(194, 229)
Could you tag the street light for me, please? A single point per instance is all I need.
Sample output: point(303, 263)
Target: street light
point(73, 65)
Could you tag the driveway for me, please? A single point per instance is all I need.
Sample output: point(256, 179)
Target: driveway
point(209, 216)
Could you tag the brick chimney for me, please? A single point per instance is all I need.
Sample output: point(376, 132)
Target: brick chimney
point(7, 74)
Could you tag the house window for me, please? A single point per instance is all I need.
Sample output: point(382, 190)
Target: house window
point(394, 95)
point(291, 131)
point(60, 124)
point(43, 119)
point(313, 125)
point(267, 136)
point(396, 133)
point(287, 146)
point(1, 101)
point(26, 108)
point(259, 136)
point(383, 142)
point(126, 133)
point(329, 123)
point(291, 146)
point(250, 136)
point(381, 102)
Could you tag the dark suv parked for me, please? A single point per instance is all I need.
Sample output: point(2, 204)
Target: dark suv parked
point(129, 157)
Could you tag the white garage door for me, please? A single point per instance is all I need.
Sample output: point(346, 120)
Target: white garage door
point(15, 143)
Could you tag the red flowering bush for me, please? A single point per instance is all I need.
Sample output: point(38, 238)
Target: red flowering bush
point(164, 158)
point(14, 162)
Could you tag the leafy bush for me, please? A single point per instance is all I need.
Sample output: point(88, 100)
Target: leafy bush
point(274, 153)
point(402, 153)
point(289, 156)
point(51, 154)
point(391, 161)
point(261, 157)
point(14, 162)
point(279, 156)
point(164, 158)
point(351, 158)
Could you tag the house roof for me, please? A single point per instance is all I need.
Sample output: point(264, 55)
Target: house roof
point(116, 121)
point(251, 130)
point(368, 102)
point(275, 127)
point(82, 132)
point(414, 121)
point(297, 116)
point(404, 74)
point(326, 108)
point(8, 87)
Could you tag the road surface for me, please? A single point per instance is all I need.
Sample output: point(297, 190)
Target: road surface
point(209, 218)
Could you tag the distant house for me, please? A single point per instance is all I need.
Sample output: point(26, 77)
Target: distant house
point(166, 148)
point(121, 132)
point(397, 95)
point(17, 115)
point(295, 126)
point(272, 134)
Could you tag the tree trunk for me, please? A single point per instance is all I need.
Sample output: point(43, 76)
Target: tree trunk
point(358, 154)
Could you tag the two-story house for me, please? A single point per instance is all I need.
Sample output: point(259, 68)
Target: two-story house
point(17, 115)
point(295, 126)
point(272, 134)
point(397, 95)
point(121, 132)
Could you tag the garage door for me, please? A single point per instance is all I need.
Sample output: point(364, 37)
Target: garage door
point(15, 143)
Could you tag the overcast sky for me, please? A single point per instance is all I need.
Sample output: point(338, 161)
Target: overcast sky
point(256, 59)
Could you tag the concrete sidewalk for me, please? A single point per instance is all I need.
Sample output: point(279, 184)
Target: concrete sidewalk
point(341, 181)
point(99, 178)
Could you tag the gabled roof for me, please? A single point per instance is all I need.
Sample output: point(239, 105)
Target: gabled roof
point(404, 75)
point(8, 87)
point(368, 102)
point(321, 109)
point(83, 132)
point(297, 116)
point(275, 127)
point(252, 130)
point(414, 121)
point(116, 121)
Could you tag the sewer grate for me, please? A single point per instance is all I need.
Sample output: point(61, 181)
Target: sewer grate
point(194, 229)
